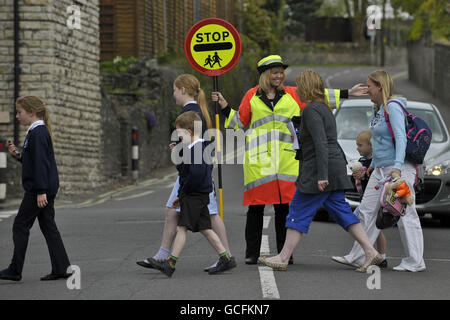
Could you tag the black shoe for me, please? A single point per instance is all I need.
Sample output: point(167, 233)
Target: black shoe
point(223, 265)
point(8, 275)
point(148, 263)
point(233, 263)
point(163, 266)
point(53, 276)
point(383, 264)
point(251, 260)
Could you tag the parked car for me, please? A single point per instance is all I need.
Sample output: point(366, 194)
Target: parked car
point(353, 117)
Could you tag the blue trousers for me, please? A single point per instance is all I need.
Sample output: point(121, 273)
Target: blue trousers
point(304, 206)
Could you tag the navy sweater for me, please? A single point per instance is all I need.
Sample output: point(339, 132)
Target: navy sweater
point(195, 178)
point(39, 171)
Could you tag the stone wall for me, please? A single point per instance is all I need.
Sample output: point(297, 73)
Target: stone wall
point(394, 56)
point(61, 66)
point(429, 67)
point(128, 96)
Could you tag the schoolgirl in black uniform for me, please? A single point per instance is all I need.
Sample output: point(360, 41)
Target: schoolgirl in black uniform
point(40, 182)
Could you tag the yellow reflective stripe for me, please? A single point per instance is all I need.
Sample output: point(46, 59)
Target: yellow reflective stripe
point(273, 135)
point(270, 178)
point(233, 121)
point(337, 94)
point(270, 118)
point(333, 96)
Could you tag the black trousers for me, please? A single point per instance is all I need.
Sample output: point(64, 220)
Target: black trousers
point(254, 228)
point(23, 222)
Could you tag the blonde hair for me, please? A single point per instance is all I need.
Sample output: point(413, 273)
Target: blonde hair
point(187, 120)
point(364, 136)
point(383, 79)
point(34, 104)
point(264, 82)
point(311, 87)
point(192, 86)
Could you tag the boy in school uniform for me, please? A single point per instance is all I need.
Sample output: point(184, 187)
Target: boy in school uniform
point(193, 198)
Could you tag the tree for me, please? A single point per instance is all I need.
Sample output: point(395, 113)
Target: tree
point(431, 17)
point(258, 25)
point(357, 10)
point(297, 14)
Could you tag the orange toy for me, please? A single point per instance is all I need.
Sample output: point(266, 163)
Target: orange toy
point(402, 191)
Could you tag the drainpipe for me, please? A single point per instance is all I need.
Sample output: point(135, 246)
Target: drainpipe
point(16, 69)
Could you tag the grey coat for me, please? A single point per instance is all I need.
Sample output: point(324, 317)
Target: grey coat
point(321, 158)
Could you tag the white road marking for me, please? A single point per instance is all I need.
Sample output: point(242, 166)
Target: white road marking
point(4, 216)
point(265, 249)
point(135, 196)
point(266, 221)
point(10, 212)
point(268, 284)
point(266, 274)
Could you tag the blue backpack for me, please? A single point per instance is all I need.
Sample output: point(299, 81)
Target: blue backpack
point(418, 136)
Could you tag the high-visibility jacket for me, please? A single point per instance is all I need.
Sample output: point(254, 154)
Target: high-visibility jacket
point(270, 168)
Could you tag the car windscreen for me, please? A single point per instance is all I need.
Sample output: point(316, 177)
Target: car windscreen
point(351, 121)
point(433, 121)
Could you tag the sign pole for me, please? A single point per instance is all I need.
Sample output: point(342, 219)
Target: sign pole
point(218, 143)
point(213, 47)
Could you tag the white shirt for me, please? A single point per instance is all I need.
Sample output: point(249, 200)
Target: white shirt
point(190, 102)
point(195, 142)
point(35, 124)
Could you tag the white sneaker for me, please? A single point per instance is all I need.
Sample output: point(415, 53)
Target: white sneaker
point(400, 268)
point(343, 260)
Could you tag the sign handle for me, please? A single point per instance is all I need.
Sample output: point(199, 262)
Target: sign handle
point(218, 143)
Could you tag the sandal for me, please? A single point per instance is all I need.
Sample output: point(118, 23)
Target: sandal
point(375, 261)
point(274, 265)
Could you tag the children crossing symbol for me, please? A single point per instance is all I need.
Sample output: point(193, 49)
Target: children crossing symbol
point(213, 46)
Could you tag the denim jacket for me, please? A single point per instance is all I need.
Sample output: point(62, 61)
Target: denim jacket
point(384, 152)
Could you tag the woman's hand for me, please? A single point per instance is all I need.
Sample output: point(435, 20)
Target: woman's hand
point(322, 184)
point(217, 96)
point(395, 173)
point(358, 90)
point(42, 200)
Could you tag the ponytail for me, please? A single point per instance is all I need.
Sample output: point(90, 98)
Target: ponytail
point(201, 99)
point(47, 123)
point(192, 86)
point(32, 103)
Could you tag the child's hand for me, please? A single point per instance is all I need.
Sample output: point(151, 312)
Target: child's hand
point(176, 203)
point(13, 150)
point(172, 145)
point(358, 174)
point(42, 200)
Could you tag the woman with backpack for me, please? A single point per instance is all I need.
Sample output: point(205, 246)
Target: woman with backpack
point(389, 150)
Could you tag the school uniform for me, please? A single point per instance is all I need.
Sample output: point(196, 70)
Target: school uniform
point(39, 176)
point(212, 206)
point(195, 186)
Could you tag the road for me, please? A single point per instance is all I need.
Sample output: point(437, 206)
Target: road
point(106, 235)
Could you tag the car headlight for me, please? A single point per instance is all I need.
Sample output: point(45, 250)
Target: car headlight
point(438, 169)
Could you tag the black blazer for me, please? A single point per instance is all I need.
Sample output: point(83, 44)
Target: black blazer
point(320, 155)
point(39, 171)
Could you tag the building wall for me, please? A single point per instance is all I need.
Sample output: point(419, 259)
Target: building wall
point(144, 28)
point(61, 66)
